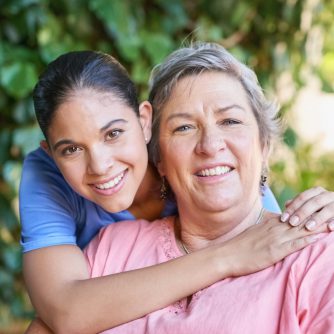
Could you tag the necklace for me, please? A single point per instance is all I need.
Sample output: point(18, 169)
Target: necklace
point(258, 220)
point(184, 247)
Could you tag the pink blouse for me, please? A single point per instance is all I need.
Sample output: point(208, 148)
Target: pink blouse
point(294, 296)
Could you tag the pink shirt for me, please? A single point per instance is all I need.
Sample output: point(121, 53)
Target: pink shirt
point(294, 296)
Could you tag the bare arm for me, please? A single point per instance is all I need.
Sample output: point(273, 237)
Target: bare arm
point(69, 302)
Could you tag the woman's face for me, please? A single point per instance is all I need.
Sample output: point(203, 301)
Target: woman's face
point(209, 144)
point(98, 143)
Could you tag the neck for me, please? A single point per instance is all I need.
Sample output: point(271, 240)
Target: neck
point(147, 203)
point(214, 228)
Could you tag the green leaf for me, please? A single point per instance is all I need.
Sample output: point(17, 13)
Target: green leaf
point(27, 139)
point(115, 15)
point(12, 173)
point(5, 138)
point(129, 47)
point(12, 258)
point(290, 137)
point(157, 45)
point(18, 78)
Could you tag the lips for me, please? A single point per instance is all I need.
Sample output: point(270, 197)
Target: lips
point(111, 183)
point(218, 170)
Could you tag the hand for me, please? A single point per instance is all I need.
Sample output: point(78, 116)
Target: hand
point(262, 245)
point(311, 208)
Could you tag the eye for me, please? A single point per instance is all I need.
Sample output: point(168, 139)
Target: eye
point(113, 134)
point(230, 121)
point(183, 128)
point(70, 150)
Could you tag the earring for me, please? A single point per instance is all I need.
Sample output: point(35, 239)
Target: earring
point(163, 188)
point(263, 179)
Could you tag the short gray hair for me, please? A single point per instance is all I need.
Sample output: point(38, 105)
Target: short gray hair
point(195, 59)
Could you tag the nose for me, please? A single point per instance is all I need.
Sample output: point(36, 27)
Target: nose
point(99, 161)
point(211, 141)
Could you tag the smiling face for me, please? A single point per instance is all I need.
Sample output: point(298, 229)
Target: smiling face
point(209, 145)
point(98, 143)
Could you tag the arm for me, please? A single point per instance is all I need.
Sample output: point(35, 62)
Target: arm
point(70, 302)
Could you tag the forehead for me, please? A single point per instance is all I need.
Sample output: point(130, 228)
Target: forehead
point(91, 94)
point(207, 89)
point(90, 106)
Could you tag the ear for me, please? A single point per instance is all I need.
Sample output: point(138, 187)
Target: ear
point(45, 147)
point(145, 119)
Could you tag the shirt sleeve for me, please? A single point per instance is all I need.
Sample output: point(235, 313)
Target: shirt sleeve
point(46, 204)
point(309, 297)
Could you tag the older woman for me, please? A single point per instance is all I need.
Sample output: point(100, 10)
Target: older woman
point(211, 137)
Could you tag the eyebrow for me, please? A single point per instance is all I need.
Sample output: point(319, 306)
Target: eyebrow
point(188, 115)
point(109, 124)
point(232, 106)
point(104, 128)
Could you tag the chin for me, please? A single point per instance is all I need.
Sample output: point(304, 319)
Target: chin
point(120, 206)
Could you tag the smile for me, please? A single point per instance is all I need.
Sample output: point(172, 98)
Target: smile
point(110, 184)
point(219, 170)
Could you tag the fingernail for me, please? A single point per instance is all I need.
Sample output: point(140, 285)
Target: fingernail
point(294, 220)
point(331, 225)
point(311, 224)
point(284, 217)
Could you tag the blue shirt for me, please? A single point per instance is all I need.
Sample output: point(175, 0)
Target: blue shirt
point(52, 213)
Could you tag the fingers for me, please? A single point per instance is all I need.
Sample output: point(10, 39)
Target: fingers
point(285, 233)
point(311, 208)
point(300, 243)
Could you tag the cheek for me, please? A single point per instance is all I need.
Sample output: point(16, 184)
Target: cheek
point(170, 156)
point(73, 173)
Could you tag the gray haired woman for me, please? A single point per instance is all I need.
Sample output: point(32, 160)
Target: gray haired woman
point(212, 134)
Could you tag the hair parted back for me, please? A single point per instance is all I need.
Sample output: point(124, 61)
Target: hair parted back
point(201, 57)
point(78, 70)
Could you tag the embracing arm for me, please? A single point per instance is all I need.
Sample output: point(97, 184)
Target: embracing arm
point(69, 302)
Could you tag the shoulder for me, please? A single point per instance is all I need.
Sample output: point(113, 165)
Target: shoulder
point(137, 243)
point(39, 158)
point(132, 229)
point(315, 262)
point(48, 206)
point(39, 172)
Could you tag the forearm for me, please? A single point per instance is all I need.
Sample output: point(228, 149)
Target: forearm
point(93, 305)
point(69, 302)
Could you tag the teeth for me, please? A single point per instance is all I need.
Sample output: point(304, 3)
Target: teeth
point(215, 171)
point(111, 183)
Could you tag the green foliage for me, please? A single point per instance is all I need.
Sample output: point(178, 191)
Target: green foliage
point(269, 35)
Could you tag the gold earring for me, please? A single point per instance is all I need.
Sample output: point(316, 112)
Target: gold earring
point(163, 188)
point(263, 179)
